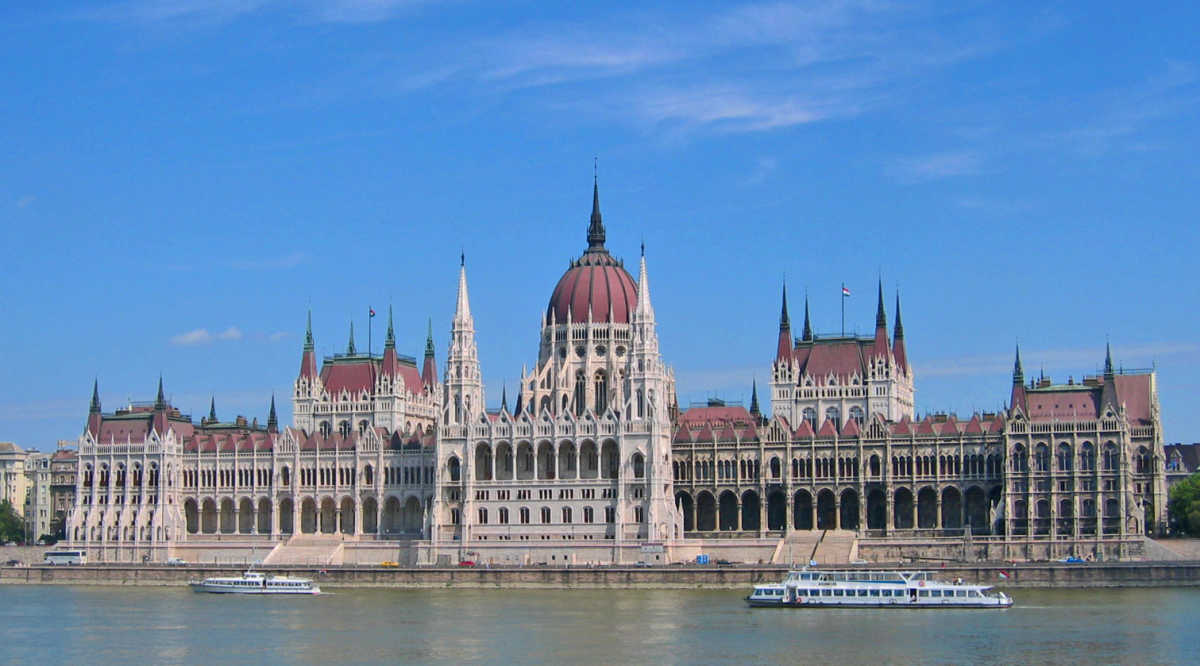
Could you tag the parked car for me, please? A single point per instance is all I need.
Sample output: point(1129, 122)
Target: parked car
point(724, 563)
point(13, 563)
point(176, 562)
point(389, 563)
point(467, 563)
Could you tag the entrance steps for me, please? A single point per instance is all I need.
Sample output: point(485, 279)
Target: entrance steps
point(308, 549)
point(796, 548)
point(836, 547)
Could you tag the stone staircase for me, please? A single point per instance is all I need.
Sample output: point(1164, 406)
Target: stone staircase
point(795, 548)
point(836, 547)
point(308, 549)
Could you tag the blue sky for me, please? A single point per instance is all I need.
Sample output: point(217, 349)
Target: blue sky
point(183, 179)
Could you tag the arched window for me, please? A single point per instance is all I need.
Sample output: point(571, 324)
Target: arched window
point(325, 428)
point(285, 476)
point(503, 516)
point(835, 415)
point(1065, 458)
point(775, 468)
point(524, 514)
point(641, 404)
point(810, 415)
point(546, 515)
point(344, 428)
point(454, 468)
point(1041, 458)
point(639, 466)
point(601, 388)
point(566, 515)
point(856, 414)
point(368, 475)
point(580, 392)
point(1087, 458)
point(589, 515)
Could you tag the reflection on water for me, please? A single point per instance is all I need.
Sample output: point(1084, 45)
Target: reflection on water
point(114, 625)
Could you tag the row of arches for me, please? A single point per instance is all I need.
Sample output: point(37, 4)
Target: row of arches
point(565, 461)
point(1064, 459)
point(118, 476)
point(845, 467)
point(952, 508)
point(313, 515)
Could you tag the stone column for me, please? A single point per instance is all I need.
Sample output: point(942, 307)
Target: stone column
point(837, 512)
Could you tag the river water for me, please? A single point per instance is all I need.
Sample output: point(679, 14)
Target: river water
point(172, 625)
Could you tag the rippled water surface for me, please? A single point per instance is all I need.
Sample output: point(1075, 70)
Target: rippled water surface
point(115, 625)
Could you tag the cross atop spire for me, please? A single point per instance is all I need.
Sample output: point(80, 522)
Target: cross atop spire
point(595, 235)
point(350, 349)
point(95, 407)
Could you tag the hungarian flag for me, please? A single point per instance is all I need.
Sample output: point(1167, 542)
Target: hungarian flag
point(372, 311)
point(1003, 575)
point(845, 291)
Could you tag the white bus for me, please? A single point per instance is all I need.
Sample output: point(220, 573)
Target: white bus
point(67, 557)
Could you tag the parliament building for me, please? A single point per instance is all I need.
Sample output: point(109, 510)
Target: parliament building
point(595, 463)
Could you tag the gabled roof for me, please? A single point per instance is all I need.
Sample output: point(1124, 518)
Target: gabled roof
point(827, 429)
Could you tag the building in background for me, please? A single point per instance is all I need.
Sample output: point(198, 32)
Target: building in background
point(39, 510)
point(64, 465)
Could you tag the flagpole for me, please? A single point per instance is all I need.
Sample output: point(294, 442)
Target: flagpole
point(370, 329)
point(843, 309)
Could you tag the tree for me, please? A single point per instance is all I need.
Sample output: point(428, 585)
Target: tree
point(12, 525)
point(1183, 506)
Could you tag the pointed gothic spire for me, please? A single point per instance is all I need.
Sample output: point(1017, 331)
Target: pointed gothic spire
point(784, 322)
point(807, 335)
point(595, 235)
point(429, 340)
point(754, 398)
point(783, 350)
point(1108, 364)
point(160, 402)
point(880, 315)
point(212, 409)
point(272, 419)
point(95, 406)
point(390, 340)
point(898, 332)
point(462, 309)
point(504, 399)
point(644, 310)
point(308, 338)
point(350, 347)
point(1018, 371)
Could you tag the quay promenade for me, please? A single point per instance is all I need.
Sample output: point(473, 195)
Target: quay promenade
point(1021, 575)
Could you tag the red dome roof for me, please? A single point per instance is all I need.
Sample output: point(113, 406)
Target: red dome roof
point(598, 286)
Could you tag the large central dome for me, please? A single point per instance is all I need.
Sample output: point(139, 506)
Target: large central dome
point(596, 282)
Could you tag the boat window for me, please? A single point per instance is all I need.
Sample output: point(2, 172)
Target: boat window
point(874, 593)
point(924, 593)
point(862, 593)
point(827, 593)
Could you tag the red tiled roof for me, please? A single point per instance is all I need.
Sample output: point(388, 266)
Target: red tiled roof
point(902, 427)
point(850, 429)
point(1134, 391)
point(1081, 402)
point(805, 430)
point(840, 358)
point(827, 429)
point(682, 435)
point(717, 415)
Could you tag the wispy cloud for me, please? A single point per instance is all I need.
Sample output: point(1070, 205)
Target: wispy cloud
point(197, 336)
point(277, 336)
point(26, 201)
point(936, 166)
point(202, 13)
point(202, 336)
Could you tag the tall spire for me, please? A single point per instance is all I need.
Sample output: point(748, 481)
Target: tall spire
point(272, 420)
point(212, 409)
point(783, 350)
point(350, 347)
point(1108, 364)
point(462, 308)
point(807, 335)
point(504, 398)
point(308, 338)
point(898, 351)
point(95, 406)
point(429, 368)
point(595, 235)
point(880, 315)
point(644, 310)
point(160, 402)
point(390, 340)
point(429, 339)
point(1017, 397)
point(754, 398)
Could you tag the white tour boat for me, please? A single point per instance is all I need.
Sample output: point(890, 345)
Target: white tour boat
point(867, 588)
point(253, 582)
